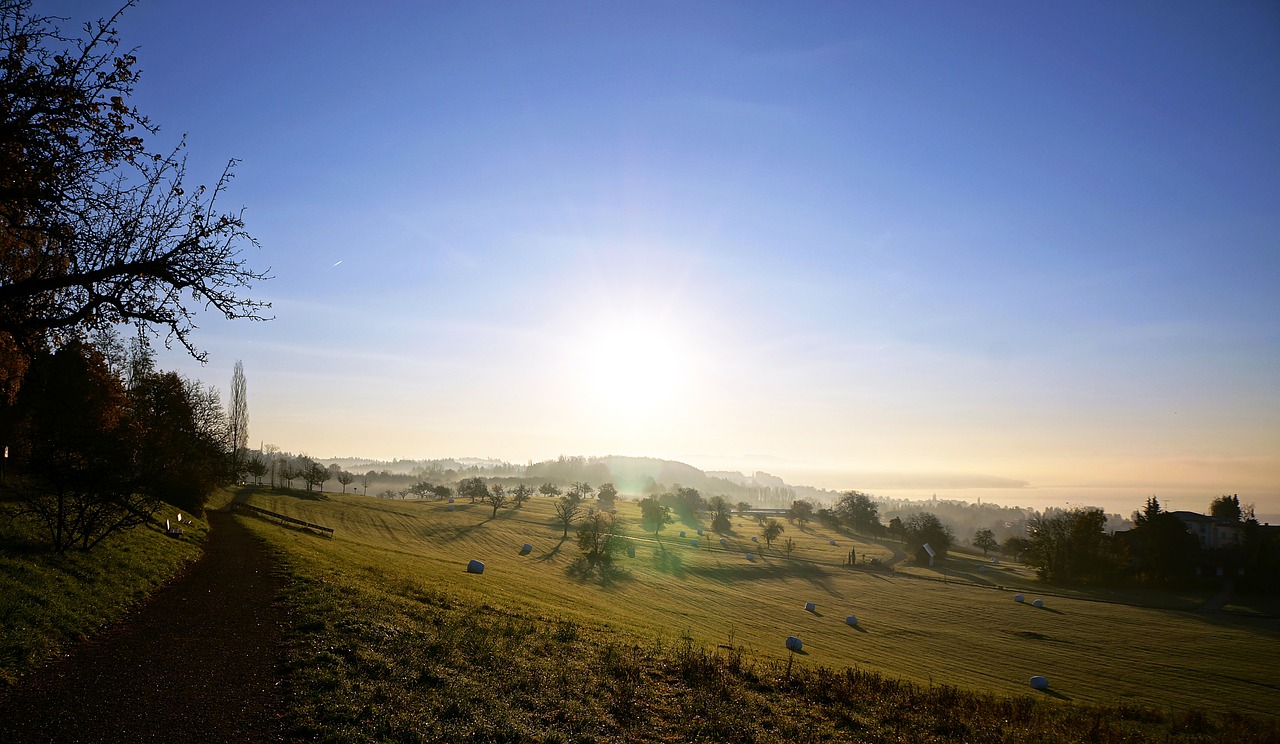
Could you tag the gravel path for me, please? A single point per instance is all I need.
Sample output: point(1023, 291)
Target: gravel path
point(199, 662)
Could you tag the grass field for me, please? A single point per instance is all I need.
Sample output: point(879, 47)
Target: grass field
point(406, 555)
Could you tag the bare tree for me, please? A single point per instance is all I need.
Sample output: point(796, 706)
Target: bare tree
point(568, 510)
point(496, 497)
point(96, 229)
point(521, 494)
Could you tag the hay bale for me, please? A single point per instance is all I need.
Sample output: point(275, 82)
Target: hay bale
point(475, 567)
point(1019, 598)
point(833, 542)
point(681, 533)
point(851, 621)
point(450, 507)
point(526, 549)
point(724, 541)
point(751, 557)
point(699, 533)
point(755, 539)
point(810, 607)
point(694, 542)
point(631, 551)
point(451, 501)
point(982, 569)
point(1039, 683)
point(1038, 603)
point(794, 644)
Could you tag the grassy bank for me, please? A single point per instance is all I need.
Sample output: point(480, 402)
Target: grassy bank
point(394, 641)
point(48, 602)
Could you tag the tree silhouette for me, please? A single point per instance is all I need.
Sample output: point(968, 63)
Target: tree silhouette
point(772, 531)
point(95, 229)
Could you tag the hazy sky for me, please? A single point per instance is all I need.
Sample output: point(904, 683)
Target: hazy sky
point(1026, 240)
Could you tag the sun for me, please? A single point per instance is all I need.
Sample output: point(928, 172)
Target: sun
point(637, 368)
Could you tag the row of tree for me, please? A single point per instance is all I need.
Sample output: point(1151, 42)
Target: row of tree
point(99, 447)
point(1073, 546)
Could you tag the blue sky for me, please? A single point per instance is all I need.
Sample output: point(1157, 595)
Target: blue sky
point(1032, 241)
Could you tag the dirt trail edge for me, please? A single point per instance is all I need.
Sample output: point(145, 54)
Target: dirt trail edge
point(199, 662)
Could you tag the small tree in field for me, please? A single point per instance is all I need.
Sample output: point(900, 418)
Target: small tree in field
point(789, 546)
point(801, 511)
point(595, 538)
point(521, 494)
point(986, 540)
point(607, 494)
point(257, 468)
point(320, 475)
point(568, 509)
point(345, 479)
point(743, 507)
point(549, 489)
point(772, 531)
point(720, 513)
point(655, 515)
point(473, 489)
point(496, 497)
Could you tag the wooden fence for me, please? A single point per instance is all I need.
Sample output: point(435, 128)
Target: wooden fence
point(240, 505)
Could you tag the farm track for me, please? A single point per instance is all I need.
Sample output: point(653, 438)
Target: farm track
point(199, 662)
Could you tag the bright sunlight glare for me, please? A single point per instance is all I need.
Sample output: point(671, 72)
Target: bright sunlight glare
point(640, 369)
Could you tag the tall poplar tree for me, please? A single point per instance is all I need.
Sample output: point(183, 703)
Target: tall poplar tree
point(238, 419)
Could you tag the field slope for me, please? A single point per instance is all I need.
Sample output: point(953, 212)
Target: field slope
point(390, 589)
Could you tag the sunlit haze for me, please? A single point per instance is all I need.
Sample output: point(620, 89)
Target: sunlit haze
point(915, 247)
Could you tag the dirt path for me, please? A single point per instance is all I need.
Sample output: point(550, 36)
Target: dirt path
point(198, 663)
point(1219, 600)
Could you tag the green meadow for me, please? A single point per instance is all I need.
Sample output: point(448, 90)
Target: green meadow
point(395, 570)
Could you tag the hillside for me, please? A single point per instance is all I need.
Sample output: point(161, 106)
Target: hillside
point(389, 597)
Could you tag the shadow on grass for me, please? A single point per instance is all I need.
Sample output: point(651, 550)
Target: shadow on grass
point(1054, 694)
point(301, 495)
point(551, 554)
point(668, 562)
point(606, 574)
point(745, 571)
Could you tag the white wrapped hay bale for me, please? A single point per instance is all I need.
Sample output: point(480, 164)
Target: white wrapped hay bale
point(1038, 603)
point(833, 542)
point(526, 549)
point(794, 644)
point(475, 567)
point(751, 557)
point(681, 533)
point(1039, 683)
point(450, 500)
point(851, 621)
point(724, 541)
point(810, 607)
point(1019, 598)
point(755, 539)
